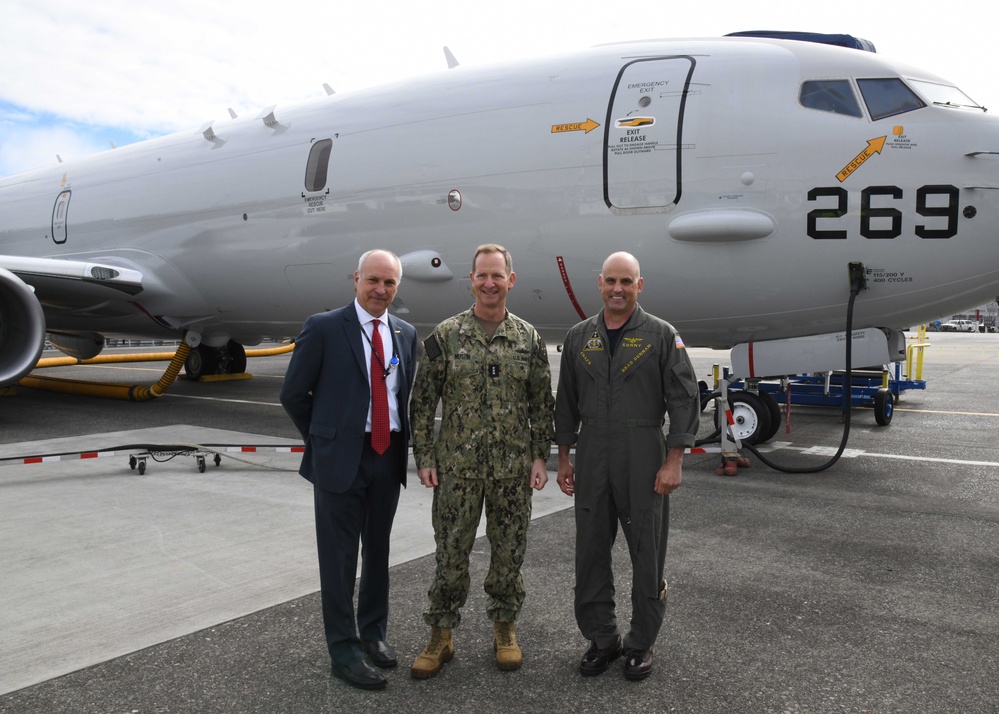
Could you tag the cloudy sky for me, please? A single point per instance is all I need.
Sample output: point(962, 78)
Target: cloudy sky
point(75, 76)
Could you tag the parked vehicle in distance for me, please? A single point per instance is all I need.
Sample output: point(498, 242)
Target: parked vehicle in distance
point(959, 326)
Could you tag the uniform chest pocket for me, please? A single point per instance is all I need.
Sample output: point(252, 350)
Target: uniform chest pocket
point(639, 361)
point(464, 367)
point(518, 369)
point(503, 369)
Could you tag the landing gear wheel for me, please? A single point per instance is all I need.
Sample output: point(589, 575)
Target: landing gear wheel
point(142, 467)
point(204, 360)
point(201, 464)
point(232, 359)
point(131, 462)
point(775, 416)
point(201, 360)
point(884, 406)
point(218, 459)
point(751, 417)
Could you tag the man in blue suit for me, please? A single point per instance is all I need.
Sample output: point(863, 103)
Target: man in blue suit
point(346, 365)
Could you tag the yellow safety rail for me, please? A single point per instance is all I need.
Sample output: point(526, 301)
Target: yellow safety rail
point(917, 349)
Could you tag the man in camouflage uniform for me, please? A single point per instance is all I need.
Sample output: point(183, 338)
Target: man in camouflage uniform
point(489, 370)
point(621, 372)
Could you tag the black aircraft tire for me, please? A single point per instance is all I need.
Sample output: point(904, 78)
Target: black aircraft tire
point(751, 416)
point(192, 365)
point(775, 415)
point(236, 362)
point(201, 361)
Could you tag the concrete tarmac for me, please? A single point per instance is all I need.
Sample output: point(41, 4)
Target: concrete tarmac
point(869, 587)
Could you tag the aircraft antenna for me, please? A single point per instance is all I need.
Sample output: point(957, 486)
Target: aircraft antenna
point(451, 61)
point(267, 116)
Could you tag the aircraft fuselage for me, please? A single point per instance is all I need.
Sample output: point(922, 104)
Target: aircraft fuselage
point(744, 206)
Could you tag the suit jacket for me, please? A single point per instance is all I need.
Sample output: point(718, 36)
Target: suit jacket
point(326, 393)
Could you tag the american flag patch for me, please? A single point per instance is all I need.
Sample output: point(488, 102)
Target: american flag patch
point(432, 347)
point(679, 343)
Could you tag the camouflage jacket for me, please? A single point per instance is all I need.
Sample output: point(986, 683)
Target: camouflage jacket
point(496, 399)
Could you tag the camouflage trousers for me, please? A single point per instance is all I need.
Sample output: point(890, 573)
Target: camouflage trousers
point(457, 509)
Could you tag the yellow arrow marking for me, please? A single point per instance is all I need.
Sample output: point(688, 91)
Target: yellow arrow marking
point(587, 126)
point(874, 146)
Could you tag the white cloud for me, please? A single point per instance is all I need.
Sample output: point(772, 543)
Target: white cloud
point(29, 148)
point(153, 68)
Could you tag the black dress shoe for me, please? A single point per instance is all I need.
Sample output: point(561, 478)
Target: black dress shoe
point(596, 659)
point(638, 664)
point(381, 653)
point(359, 674)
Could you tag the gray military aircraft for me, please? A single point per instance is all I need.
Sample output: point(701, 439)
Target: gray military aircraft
point(757, 179)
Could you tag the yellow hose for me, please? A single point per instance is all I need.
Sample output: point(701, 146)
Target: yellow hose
point(129, 392)
point(67, 361)
point(143, 393)
point(271, 351)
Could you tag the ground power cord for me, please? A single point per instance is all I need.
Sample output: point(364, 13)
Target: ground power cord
point(857, 283)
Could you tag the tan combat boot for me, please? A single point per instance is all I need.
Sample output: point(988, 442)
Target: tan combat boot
point(438, 651)
point(508, 655)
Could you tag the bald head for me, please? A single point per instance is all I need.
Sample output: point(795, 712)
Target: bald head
point(381, 254)
point(620, 282)
point(622, 260)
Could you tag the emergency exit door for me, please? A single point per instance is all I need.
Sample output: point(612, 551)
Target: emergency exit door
point(644, 128)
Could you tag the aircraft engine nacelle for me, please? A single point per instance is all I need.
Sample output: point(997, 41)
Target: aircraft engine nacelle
point(81, 346)
point(22, 328)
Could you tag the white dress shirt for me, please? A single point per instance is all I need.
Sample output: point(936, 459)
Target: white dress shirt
point(388, 345)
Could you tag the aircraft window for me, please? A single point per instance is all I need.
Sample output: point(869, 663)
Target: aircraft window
point(318, 166)
point(830, 95)
point(888, 97)
point(943, 95)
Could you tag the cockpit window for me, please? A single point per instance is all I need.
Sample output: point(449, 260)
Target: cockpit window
point(888, 97)
point(944, 95)
point(830, 95)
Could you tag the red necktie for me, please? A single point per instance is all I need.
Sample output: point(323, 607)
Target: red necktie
point(379, 394)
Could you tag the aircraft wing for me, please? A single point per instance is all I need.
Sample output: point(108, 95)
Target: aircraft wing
point(73, 284)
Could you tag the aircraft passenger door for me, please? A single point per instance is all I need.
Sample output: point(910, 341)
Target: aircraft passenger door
point(644, 128)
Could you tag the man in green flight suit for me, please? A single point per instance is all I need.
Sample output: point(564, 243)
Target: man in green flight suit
point(489, 371)
point(621, 372)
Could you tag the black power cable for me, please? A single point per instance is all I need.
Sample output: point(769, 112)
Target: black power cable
point(857, 283)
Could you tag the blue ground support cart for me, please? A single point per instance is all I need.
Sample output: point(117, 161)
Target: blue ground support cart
point(876, 389)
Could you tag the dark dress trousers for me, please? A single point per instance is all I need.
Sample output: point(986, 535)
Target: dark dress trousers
point(327, 395)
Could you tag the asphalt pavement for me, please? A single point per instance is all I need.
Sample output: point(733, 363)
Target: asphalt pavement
point(869, 587)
